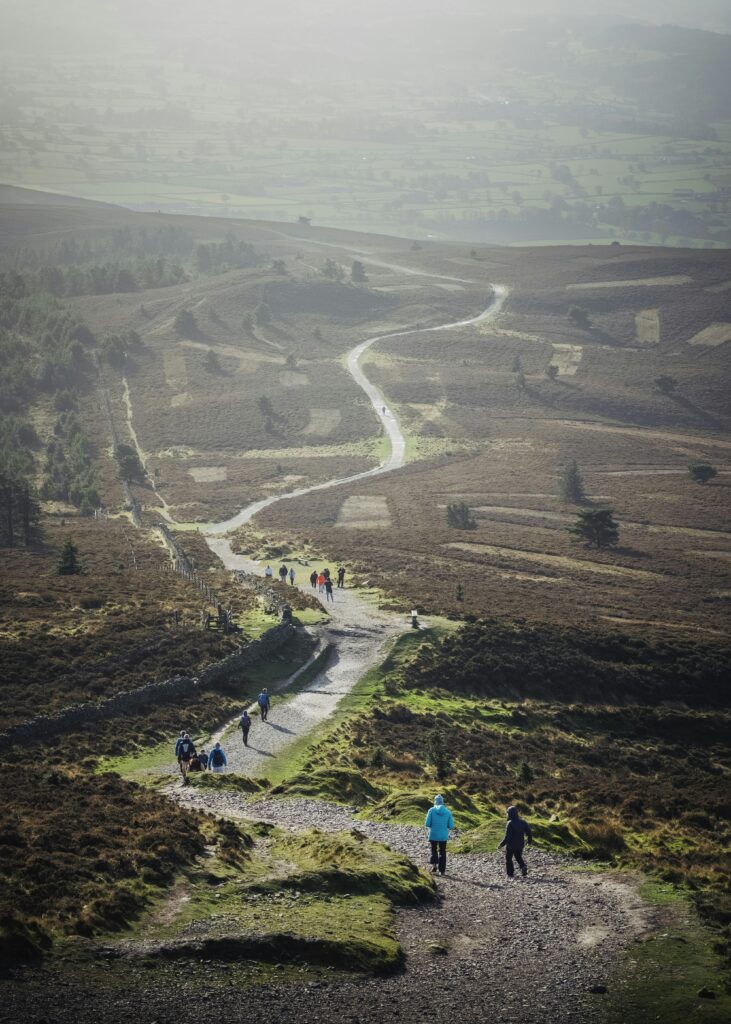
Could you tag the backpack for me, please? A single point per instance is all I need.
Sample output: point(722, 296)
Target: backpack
point(217, 758)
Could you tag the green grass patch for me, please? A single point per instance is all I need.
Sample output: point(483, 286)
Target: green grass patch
point(661, 978)
point(311, 898)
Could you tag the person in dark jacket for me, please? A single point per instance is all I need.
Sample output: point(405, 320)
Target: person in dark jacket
point(245, 725)
point(203, 758)
point(516, 833)
point(341, 576)
point(313, 579)
point(186, 753)
point(438, 823)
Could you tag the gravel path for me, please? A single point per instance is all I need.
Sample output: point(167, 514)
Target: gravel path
point(358, 633)
point(519, 952)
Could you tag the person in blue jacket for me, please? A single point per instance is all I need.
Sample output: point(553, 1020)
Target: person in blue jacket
point(263, 702)
point(217, 759)
point(438, 823)
point(516, 833)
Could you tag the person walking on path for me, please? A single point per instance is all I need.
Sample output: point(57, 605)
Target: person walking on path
point(245, 725)
point(291, 576)
point(516, 832)
point(264, 704)
point(329, 596)
point(326, 573)
point(321, 582)
point(282, 573)
point(186, 752)
point(178, 742)
point(438, 823)
point(218, 759)
point(203, 758)
point(268, 572)
point(341, 577)
point(313, 579)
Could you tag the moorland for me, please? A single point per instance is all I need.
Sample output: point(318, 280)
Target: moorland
point(163, 368)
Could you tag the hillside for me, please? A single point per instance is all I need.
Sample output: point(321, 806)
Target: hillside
point(181, 397)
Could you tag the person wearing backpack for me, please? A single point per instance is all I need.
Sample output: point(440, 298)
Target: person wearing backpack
point(263, 702)
point(282, 573)
point(245, 725)
point(186, 753)
point(313, 579)
point(217, 760)
point(516, 832)
point(438, 823)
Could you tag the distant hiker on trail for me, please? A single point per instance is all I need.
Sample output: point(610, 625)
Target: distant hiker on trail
point(438, 822)
point(282, 573)
point(203, 758)
point(186, 752)
point(329, 596)
point(321, 582)
point(291, 576)
point(218, 759)
point(313, 579)
point(326, 573)
point(245, 725)
point(264, 703)
point(179, 740)
point(341, 577)
point(516, 832)
point(268, 572)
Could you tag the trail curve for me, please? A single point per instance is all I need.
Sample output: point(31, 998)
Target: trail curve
point(397, 454)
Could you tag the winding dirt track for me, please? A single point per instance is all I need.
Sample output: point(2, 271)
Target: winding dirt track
point(397, 454)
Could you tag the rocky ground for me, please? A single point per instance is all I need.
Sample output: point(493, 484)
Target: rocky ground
point(523, 952)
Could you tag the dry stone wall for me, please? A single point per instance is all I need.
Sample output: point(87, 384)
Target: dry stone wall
point(47, 726)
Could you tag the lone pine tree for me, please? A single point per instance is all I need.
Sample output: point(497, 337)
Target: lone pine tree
point(572, 484)
point(596, 528)
point(68, 561)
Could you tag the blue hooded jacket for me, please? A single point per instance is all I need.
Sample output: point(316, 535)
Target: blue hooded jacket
point(439, 821)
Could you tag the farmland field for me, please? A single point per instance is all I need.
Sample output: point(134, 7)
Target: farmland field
point(511, 154)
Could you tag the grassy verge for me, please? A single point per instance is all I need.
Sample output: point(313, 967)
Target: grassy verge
point(669, 969)
point(311, 898)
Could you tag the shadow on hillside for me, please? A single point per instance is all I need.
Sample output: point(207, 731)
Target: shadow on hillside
point(706, 417)
point(631, 552)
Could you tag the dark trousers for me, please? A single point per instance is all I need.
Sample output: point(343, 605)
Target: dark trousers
point(245, 736)
point(264, 708)
point(439, 854)
point(518, 854)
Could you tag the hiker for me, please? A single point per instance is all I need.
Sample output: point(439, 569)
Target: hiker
point(245, 725)
point(326, 573)
point(438, 822)
point(516, 832)
point(263, 702)
point(313, 579)
point(217, 760)
point(329, 596)
point(341, 577)
point(321, 582)
point(268, 572)
point(178, 742)
point(195, 764)
point(282, 573)
point(291, 576)
point(203, 758)
point(186, 752)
